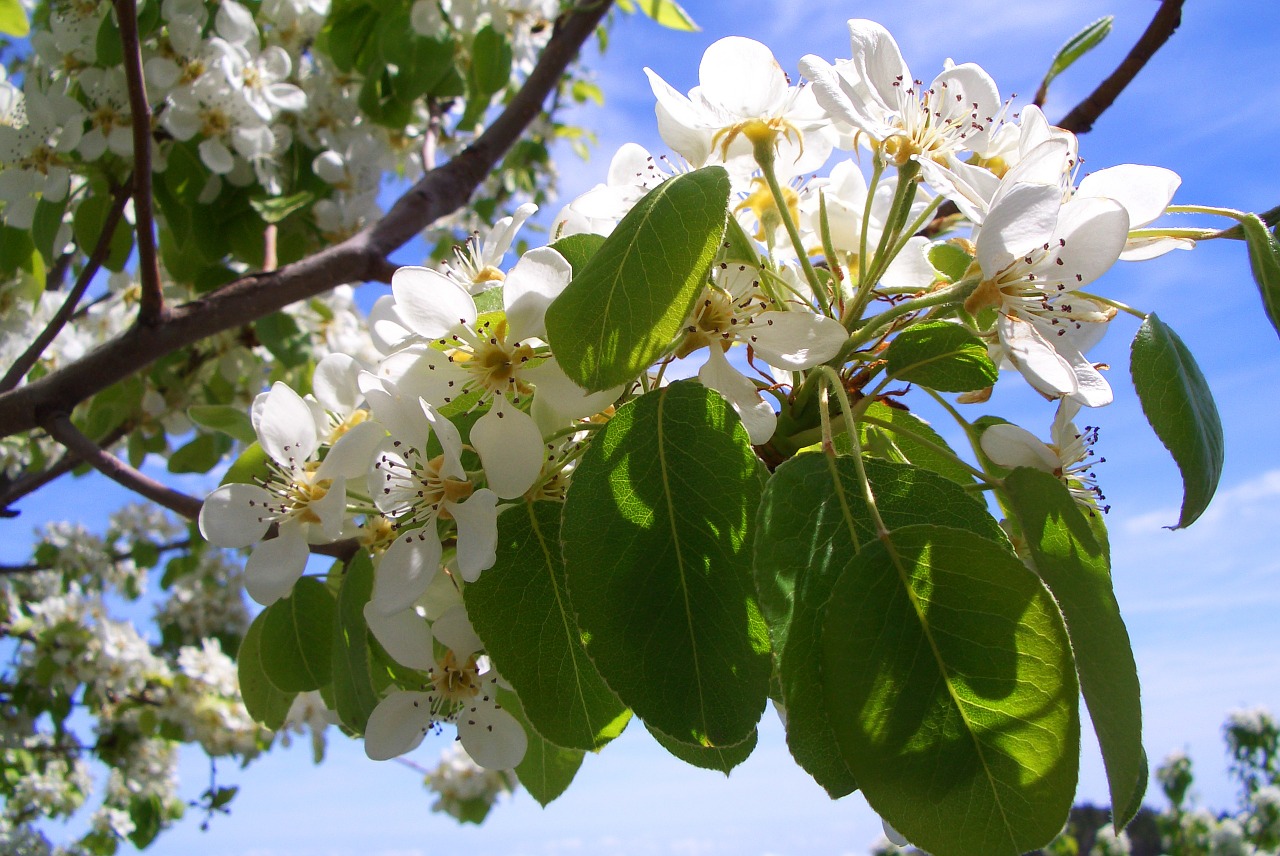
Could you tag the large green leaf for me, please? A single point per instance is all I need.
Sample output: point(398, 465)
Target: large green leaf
point(265, 703)
point(1064, 552)
point(899, 435)
point(13, 19)
point(657, 549)
point(941, 356)
point(297, 643)
point(812, 521)
point(1176, 400)
point(722, 759)
point(950, 686)
point(624, 308)
point(353, 691)
point(521, 610)
point(547, 769)
point(1264, 261)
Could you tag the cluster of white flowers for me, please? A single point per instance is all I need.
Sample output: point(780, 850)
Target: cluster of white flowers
point(461, 785)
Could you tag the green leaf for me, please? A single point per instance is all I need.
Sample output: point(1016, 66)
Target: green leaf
point(547, 769)
point(265, 703)
point(624, 308)
point(718, 758)
point(901, 436)
point(353, 690)
point(87, 225)
point(669, 14)
point(738, 245)
point(110, 50)
point(250, 468)
point(1264, 261)
point(1077, 46)
point(521, 610)
point(657, 551)
point(232, 421)
point(199, 456)
point(273, 209)
point(354, 28)
point(578, 249)
point(950, 261)
point(297, 643)
point(1176, 400)
point(948, 680)
point(490, 61)
point(13, 19)
point(1064, 553)
point(811, 522)
point(941, 356)
point(45, 226)
point(147, 814)
point(280, 335)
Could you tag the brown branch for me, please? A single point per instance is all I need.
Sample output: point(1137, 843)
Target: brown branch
point(1167, 18)
point(361, 257)
point(151, 309)
point(31, 355)
point(109, 465)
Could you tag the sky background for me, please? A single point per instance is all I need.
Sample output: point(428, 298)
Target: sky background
point(1200, 604)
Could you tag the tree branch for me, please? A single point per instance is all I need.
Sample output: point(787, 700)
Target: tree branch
point(61, 429)
point(31, 355)
point(151, 310)
point(1167, 18)
point(33, 567)
point(361, 257)
point(29, 483)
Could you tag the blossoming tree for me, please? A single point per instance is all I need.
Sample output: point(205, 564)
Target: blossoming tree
point(538, 533)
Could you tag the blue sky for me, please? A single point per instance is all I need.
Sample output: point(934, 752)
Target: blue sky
point(1200, 604)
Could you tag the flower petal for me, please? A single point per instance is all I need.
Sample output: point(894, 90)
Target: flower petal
point(477, 520)
point(756, 414)
point(397, 725)
point(287, 427)
point(334, 384)
point(742, 77)
point(275, 565)
point(431, 304)
point(1020, 221)
point(404, 634)
point(1144, 191)
point(492, 737)
point(1013, 446)
point(1095, 230)
point(535, 281)
point(406, 570)
point(234, 515)
point(453, 630)
point(352, 456)
point(510, 447)
point(796, 340)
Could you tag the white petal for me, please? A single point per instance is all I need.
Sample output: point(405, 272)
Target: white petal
point(1020, 221)
point(502, 235)
point(397, 725)
point(1144, 191)
point(492, 737)
point(331, 509)
point(431, 304)
point(910, 268)
point(796, 340)
point(879, 60)
point(1095, 231)
point(275, 565)
point(234, 515)
point(404, 634)
point(453, 630)
point(557, 401)
point(756, 414)
point(450, 441)
point(406, 570)
point(334, 383)
point(1141, 249)
point(535, 281)
point(1035, 357)
point(386, 327)
point(352, 456)
point(1013, 446)
point(477, 521)
point(287, 428)
point(510, 447)
point(741, 76)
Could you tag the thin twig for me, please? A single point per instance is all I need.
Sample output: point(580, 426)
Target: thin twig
point(33, 567)
point(1236, 233)
point(1167, 18)
point(361, 257)
point(29, 483)
point(61, 429)
point(31, 355)
point(151, 308)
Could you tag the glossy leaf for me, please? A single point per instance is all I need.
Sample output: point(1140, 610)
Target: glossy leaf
point(547, 769)
point(657, 549)
point(1068, 558)
point(578, 249)
point(812, 521)
point(1264, 261)
point(901, 436)
point(252, 466)
point(949, 683)
point(232, 421)
point(941, 356)
point(265, 703)
point(950, 261)
point(625, 307)
point(1176, 400)
point(720, 759)
point(297, 637)
point(521, 610)
point(1077, 46)
point(353, 691)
